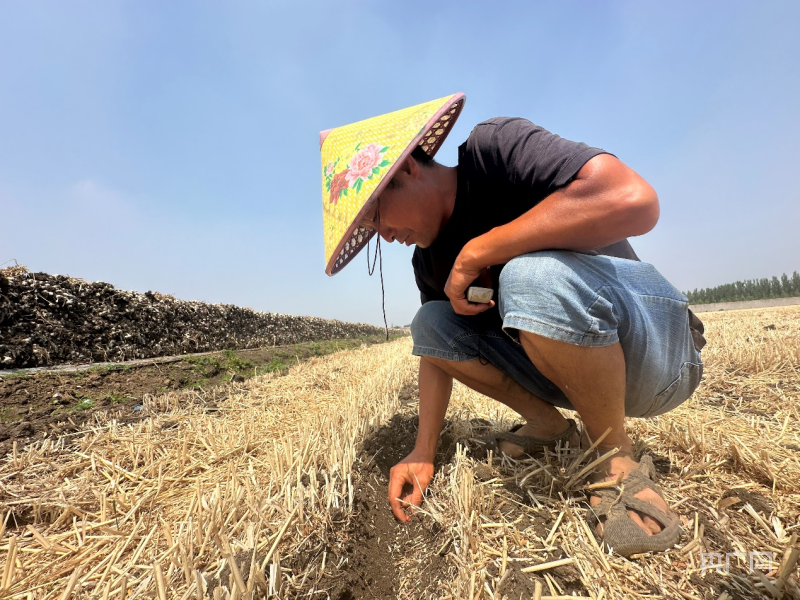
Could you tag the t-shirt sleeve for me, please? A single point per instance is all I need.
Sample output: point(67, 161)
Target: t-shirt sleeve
point(522, 153)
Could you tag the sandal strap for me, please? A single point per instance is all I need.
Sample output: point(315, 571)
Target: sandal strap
point(626, 537)
point(619, 531)
point(529, 443)
point(635, 482)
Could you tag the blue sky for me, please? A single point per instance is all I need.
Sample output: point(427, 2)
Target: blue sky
point(174, 146)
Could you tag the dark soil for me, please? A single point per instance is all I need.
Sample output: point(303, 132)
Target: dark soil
point(370, 548)
point(376, 541)
point(388, 445)
point(757, 501)
point(516, 585)
point(243, 561)
point(58, 403)
point(736, 583)
point(717, 540)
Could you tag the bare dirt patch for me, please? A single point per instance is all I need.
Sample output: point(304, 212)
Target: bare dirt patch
point(374, 541)
point(47, 403)
point(367, 556)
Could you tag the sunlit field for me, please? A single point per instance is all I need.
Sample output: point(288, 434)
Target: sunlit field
point(277, 489)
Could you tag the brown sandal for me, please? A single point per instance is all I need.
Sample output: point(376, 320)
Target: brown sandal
point(530, 444)
point(619, 531)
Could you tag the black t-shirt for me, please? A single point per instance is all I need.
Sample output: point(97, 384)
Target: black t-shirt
point(505, 168)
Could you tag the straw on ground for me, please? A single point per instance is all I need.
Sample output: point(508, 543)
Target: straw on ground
point(240, 501)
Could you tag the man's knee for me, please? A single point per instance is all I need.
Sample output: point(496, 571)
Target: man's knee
point(538, 273)
point(552, 294)
point(438, 331)
point(428, 315)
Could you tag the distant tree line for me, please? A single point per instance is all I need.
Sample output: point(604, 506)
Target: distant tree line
point(750, 289)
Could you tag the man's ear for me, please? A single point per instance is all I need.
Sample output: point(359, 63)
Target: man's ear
point(410, 167)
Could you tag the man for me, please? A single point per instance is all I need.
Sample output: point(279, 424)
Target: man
point(579, 322)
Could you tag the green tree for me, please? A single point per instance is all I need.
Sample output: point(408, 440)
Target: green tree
point(749, 289)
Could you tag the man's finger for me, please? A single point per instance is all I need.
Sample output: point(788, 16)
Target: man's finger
point(484, 306)
point(462, 307)
point(395, 489)
point(468, 310)
point(398, 511)
point(415, 498)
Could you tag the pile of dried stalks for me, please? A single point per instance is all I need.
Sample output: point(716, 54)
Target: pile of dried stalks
point(52, 319)
point(249, 500)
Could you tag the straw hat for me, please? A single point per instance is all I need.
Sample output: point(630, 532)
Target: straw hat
point(358, 161)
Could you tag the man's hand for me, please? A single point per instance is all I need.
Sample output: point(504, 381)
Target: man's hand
point(460, 278)
point(408, 479)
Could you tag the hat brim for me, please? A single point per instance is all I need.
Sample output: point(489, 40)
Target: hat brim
point(430, 137)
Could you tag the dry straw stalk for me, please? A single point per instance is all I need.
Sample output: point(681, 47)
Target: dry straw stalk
point(241, 501)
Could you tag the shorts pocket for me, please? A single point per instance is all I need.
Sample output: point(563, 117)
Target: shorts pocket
point(677, 392)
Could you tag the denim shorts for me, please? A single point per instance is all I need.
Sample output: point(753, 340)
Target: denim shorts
point(579, 299)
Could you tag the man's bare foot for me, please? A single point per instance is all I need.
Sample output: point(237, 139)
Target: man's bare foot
point(623, 464)
point(515, 451)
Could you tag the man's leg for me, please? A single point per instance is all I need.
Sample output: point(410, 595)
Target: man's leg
point(475, 351)
point(594, 381)
point(612, 334)
point(543, 419)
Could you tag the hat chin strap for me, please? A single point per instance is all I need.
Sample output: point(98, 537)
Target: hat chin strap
point(379, 258)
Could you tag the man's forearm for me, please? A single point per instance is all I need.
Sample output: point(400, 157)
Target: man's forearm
point(435, 387)
point(607, 202)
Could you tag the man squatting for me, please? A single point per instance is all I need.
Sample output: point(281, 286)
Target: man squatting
point(579, 323)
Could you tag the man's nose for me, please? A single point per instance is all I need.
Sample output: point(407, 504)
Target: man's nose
point(388, 234)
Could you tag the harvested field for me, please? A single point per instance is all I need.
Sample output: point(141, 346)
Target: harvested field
point(281, 493)
point(742, 304)
point(55, 401)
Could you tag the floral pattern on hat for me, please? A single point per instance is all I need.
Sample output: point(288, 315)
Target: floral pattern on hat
point(366, 164)
point(358, 160)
